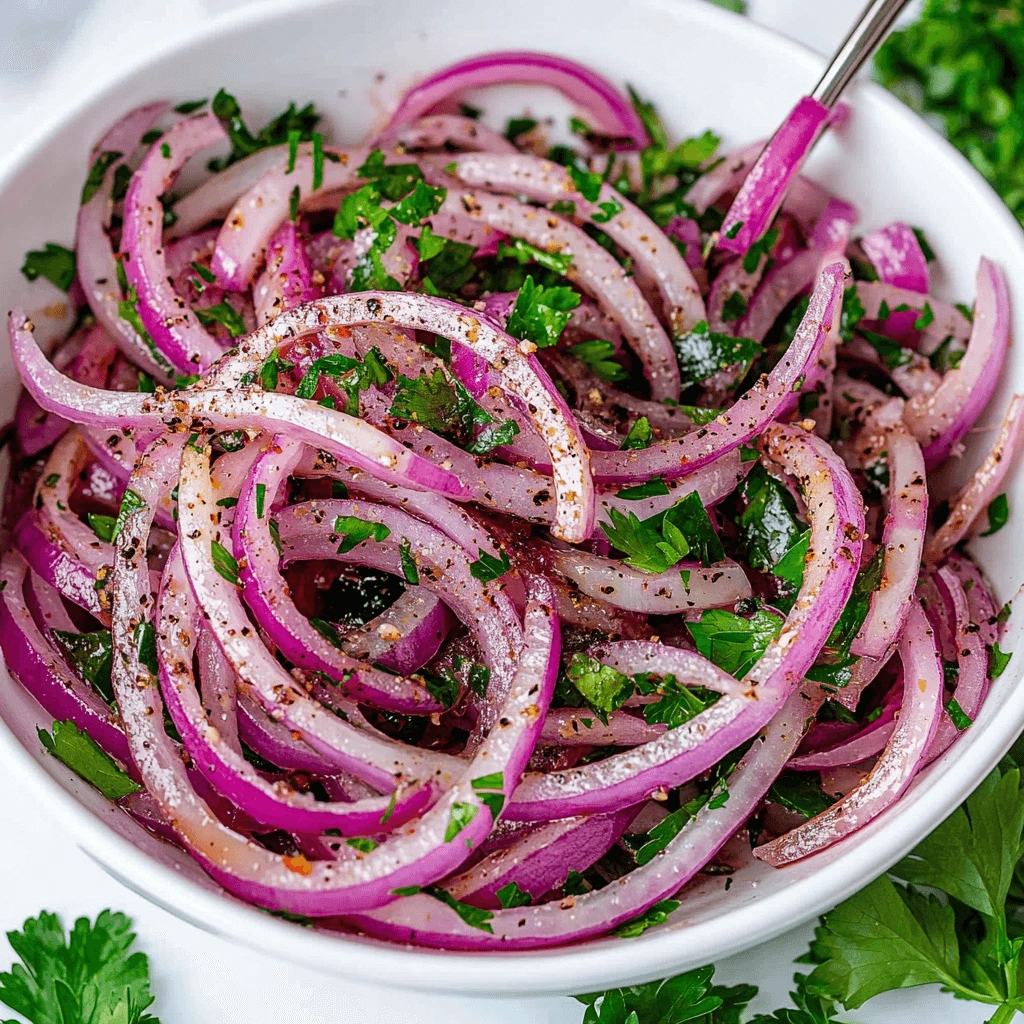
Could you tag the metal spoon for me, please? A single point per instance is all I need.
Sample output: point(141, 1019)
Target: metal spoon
point(869, 31)
point(765, 187)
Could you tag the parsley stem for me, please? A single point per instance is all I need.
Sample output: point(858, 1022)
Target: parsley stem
point(1003, 1015)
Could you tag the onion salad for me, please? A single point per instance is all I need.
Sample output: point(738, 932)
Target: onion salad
point(468, 537)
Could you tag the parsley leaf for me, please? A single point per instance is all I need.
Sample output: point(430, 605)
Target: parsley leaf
point(493, 437)
point(998, 514)
point(90, 974)
point(701, 353)
point(540, 314)
point(893, 355)
point(686, 997)
point(97, 173)
point(53, 262)
point(409, 569)
point(354, 530)
point(395, 181)
point(605, 688)
point(732, 642)
point(271, 369)
point(651, 489)
point(524, 253)
point(801, 793)
point(512, 896)
point(274, 133)
point(658, 914)
point(655, 544)
point(351, 375)
point(459, 817)
point(80, 752)
point(222, 313)
point(488, 568)
point(597, 356)
point(91, 655)
point(768, 526)
point(224, 562)
point(639, 436)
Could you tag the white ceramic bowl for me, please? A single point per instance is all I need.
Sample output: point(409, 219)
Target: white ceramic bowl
point(704, 68)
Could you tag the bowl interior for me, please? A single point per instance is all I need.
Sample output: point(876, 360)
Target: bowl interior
point(704, 69)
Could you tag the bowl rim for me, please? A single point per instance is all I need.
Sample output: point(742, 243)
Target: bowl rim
point(593, 965)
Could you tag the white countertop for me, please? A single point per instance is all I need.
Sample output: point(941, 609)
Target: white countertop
point(54, 49)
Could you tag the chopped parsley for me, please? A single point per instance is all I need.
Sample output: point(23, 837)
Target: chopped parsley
point(768, 526)
point(801, 793)
point(604, 688)
point(540, 314)
point(53, 262)
point(998, 514)
point(409, 570)
point(655, 544)
point(271, 369)
point(598, 357)
point(523, 252)
point(658, 914)
point(274, 133)
point(81, 753)
point(488, 568)
point(354, 531)
point(511, 895)
point(892, 354)
point(224, 562)
point(98, 171)
point(734, 643)
point(460, 816)
point(653, 488)
point(91, 655)
point(351, 376)
point(702, 353)
point(639, 436)
point(222, 313)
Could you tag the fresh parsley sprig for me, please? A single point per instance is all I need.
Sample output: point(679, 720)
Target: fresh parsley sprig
point(90, 975)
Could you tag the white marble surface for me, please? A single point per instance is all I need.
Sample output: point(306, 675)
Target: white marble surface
point(51, 50)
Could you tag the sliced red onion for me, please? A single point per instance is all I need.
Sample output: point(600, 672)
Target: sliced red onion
point(520, 372)
point(350, 438)
point(382, 763)
point(297, 884)
point(608, 112)
point(571, 727)
point(97, 268)
point(267, 596)
point(36, 665)
point(979, 597)
point(58, 567)
point(972, 665)
point(904, 755)
point(685, 587)
point(903, 540)
point(593, 269)
point(837, 525)
point(172, 325)
point(542, 859)
point(968, 503)
point(306, 532)
point(724, 178)
point(939, 420)
point(896, 255)
point(752, 411)
point(260, 211)
point(272, 804)
point(864, 743)
point(443, 130)
point(432, 923)
point(785, 281)
point(949, 320)
point(287, 279)
point(765, 186)
point(214, 198)
point(687, 231)
point(657, 263)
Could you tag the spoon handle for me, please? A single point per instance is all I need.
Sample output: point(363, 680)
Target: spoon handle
point(865, 35)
